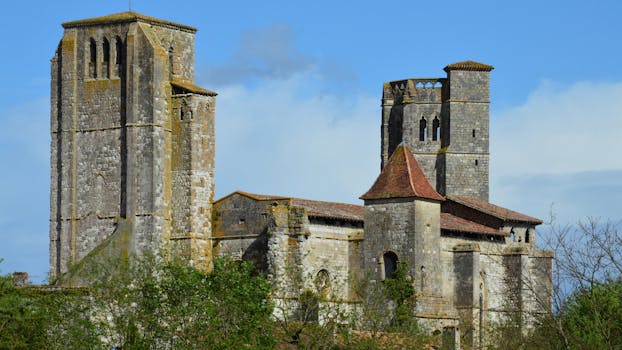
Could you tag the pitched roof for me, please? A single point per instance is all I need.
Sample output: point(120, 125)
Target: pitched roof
point(333, 210)
point(125, 17)
point(402, 177)
point(190, 87)
point(494, 210)
point(454, 223)
point(469, 66)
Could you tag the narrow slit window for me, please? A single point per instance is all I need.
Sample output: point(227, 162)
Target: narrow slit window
point(436, 129)
point(106, 63)
point(473, 132)
point(118, 62)
point(92, 58)
point(423, 129)
point(476, 163)
point(171, 61)
point(119, 47)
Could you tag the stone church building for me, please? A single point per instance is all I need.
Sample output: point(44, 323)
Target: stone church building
point(132, 169)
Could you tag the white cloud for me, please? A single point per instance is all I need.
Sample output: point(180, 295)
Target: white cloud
point(261, 53)
point(561, 148)
point(560, 130)
point(286, 138)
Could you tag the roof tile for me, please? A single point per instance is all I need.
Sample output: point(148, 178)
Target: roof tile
point(469, 66)
point(454, 223)
point(333, 210)
point(494, 210)
point(402, 177)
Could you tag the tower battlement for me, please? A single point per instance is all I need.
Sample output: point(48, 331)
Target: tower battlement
point(445, 123)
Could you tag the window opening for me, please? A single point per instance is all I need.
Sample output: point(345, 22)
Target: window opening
point(527, 236)
point(423, 129)
point(436, 129)
point(473, 132)
point(106, 63)
point(171, 59)
point(322, 282)
point(118, 55)
point(476, 162)
point(92, 58)
point(390, 264)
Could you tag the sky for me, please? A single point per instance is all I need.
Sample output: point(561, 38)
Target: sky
point(299, 83)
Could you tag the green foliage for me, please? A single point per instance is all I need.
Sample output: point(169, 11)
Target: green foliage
point(387, 313)
point(593, 317)
point(148, 305)
point(39, 318)
point(179, 307)
point(401, 292)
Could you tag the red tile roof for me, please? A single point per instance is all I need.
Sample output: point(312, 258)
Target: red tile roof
point(454, 223)
point(402, 177)
point(494, 210)
point(331, 209)
point(468, 65)
point(315, 208)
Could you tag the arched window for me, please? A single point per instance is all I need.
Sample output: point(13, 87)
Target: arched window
point(436, 129)
point(389, 260)
point(92, 58)
point(527, 234)
point(322, 282)
point(118, 56)
point(106, 62)
point(423, 129)
point(512, 235)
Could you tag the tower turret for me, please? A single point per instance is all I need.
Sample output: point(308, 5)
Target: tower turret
point(445, 121)
point(132, 139)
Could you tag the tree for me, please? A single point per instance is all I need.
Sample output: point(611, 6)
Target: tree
point(173, 306)
point(34, 317)
point(587, 291)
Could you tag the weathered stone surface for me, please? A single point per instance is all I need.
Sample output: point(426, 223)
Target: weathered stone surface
point(119, 148)
point(132, 171)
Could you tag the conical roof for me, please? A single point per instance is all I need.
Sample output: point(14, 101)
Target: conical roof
point(402, 177)
point(469, 65)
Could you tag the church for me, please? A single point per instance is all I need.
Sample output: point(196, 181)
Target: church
point(132, 170)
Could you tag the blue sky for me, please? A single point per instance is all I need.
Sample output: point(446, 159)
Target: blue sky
point(299, 93)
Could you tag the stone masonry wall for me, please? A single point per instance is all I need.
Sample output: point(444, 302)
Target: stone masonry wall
point(112, 140)
point(454, 153)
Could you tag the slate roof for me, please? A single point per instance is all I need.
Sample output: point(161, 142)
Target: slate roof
point(333, 210)
point(469, 66)
point(402, 177)
point(494, 210)
point(125, 17)
point(454, 223)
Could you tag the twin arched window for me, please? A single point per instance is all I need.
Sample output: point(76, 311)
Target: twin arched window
point(423, 129)
point(105, 69)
